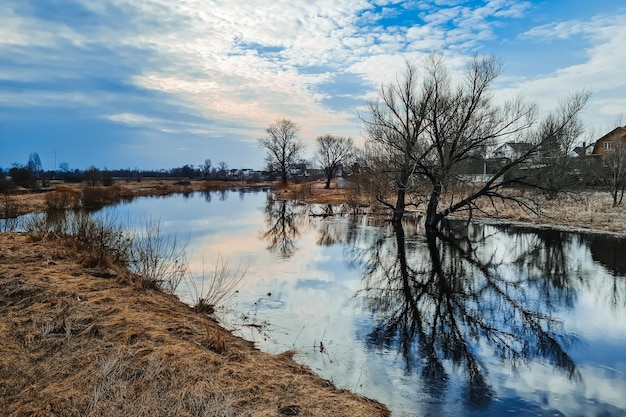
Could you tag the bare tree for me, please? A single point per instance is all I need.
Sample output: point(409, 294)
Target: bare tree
point(332, 153)
point(206, 168)
point(394, 127)
point(427, 132)
point(222, 169)
point(34, 164)
point(282, 145)
point(612, 172)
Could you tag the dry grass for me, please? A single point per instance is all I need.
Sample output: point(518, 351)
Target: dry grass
point(313, 192)
point(75, 344)
point(591, 211)
point(588, 210)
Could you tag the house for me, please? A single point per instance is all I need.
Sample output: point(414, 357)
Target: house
point(607, 143)
point(584, 150)
point(511, 150)
point(298, 170)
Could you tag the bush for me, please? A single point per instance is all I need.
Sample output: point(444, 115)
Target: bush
point(158, 259)
point(94, 198)
point(99, 239)
point(209, 290)
point(63, 198)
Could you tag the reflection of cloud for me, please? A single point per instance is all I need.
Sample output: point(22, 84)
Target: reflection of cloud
point(539, 384)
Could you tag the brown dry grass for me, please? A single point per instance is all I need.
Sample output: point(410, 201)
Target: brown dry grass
point(313, 192)
point(72, 343)
point(587, 210)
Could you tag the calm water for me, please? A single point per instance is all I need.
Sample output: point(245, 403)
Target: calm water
point(476, 321)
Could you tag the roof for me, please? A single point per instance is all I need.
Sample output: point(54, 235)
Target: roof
point(617, 133)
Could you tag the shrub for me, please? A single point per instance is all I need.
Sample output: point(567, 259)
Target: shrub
point(94, 198)
point(63, 198)
point(8, 211)
point(158, 259)
point(212, 289)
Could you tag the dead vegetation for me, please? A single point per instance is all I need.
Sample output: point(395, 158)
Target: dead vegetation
point(75, 342)
point(585, 210)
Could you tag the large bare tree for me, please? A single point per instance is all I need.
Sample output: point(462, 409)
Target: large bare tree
point(395, 125)
point(333, 152)
point(282, 145)
point(425, 129)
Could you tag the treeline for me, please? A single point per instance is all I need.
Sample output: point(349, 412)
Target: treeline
point(32, 176)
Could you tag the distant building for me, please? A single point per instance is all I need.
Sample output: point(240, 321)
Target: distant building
point(584, 150)
point(607, 143)
point(511, 150)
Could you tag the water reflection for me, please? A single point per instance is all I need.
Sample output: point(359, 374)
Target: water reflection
point(449, 300)
point(475, 321)
point(609, 253)
point(283, 221)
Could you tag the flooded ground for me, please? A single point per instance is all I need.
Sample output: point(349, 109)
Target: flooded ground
point(480, 320)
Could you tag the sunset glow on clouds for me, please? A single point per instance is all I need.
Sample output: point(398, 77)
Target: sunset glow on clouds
point(162, 83)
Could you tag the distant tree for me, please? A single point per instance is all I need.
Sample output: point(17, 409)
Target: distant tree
point(205, 168)
point(92, 175)
point(332, 153)
point(106, 177)
point(556, 170)
point(222, 169)
point(6, 185)
point(22, 176)
point(424, 129)
point(64, 167)
point(282, 145)
point(34, 164)
point(188, 171)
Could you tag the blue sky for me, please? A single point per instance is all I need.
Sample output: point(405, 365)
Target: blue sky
point(153, 84)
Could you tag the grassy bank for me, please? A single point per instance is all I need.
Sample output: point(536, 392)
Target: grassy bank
point(588, 210)
point(85, 338)
point(585, 210)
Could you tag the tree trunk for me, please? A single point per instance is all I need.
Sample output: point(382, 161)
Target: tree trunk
point(328, 178)
point(398, 211)
point(432, 218)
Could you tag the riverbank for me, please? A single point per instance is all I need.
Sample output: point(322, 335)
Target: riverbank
point(35, 202)
point(586, 211)
point(76, 341)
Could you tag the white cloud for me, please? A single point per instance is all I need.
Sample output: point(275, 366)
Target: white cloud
point(247, 64)
point(600, 69)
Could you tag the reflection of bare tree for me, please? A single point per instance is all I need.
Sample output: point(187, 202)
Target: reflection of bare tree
point(223, 195)
point(283, 219)
point(330, 232)
point(440, 301)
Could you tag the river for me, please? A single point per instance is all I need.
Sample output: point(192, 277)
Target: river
point(478, 320)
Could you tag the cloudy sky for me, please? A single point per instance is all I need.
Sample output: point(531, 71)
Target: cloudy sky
point(153, 84)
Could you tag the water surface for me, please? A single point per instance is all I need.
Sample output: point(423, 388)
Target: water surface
point(477, 320)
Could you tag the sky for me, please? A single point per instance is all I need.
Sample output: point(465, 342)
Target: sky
point(157, 84)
